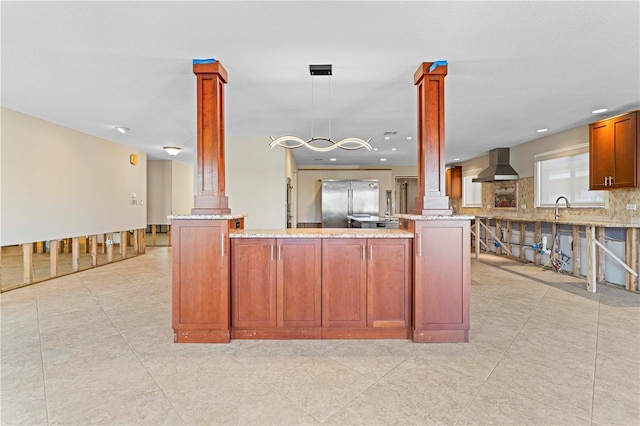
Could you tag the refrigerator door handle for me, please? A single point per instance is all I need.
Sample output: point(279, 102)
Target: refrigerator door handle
point(350, 201)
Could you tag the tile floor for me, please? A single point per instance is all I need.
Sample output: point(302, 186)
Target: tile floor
point(96, 348)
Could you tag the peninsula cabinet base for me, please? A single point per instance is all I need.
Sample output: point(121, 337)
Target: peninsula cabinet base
point(319, 333)
point(201, 336)
point(440, 336)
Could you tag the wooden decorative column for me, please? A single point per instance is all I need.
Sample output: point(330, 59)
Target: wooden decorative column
point(210, 197)
point(431, 198)
point(442, 247)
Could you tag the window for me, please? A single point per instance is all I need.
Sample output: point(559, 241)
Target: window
point(566, 172)
point(471, 191)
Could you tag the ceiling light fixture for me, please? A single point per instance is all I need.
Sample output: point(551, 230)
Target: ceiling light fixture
point(332, 159)
point(393, 149)
point(409, 138)
point(172, 150)
point(599, 111)
point(383, 159)
point(320, 144)
point(122, 129)
point(542, 130)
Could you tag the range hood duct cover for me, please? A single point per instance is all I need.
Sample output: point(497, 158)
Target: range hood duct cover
point(499, 168)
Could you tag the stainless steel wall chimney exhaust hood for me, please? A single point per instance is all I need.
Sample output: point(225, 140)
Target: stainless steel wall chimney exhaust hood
point(499, 168)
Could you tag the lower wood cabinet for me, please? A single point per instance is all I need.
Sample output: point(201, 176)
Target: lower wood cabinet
point(365, 286)
point(315, 288)
point(275, 285)
point(441, 281)
point(200, 300)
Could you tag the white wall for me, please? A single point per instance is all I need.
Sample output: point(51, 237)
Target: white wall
point(158, 192)
point(521, 156)
point(182, 189)
point(59, 183)
point(256, 181)
point(291, 172)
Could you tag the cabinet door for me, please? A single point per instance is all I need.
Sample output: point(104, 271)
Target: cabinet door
point(200, 308)
point(299, 282)
point(601, 159)
point(624, 130)
point(344, 283)
point(441, 285)
point(388, 279)
point(253, 285)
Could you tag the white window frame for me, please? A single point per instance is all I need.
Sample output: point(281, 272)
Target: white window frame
point(560, 153)
point(466, 176)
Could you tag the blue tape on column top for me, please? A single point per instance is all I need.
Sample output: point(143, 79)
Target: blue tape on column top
point(204, 61)
point(437, 64)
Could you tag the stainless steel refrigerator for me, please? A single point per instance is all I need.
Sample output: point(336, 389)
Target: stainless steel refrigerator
point(342, 198)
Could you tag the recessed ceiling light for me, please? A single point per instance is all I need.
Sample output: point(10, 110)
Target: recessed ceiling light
point(383, 159)
point(122, 129)
point(393, 149)
point(375, 149)
point(598, 111)
point(456, 159)
point(387, 137)
point(409, 138)
point(542, 130)
point(332, 159)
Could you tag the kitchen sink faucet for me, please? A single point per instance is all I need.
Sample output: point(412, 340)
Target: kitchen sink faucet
point(566, 200)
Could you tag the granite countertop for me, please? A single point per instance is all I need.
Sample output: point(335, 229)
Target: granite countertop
point(440, 217)
point(359, 218)
point(207, 216)
point(320, 233)
point(580, 222)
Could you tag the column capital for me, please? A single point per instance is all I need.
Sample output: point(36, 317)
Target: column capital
point(425, 68)
point(211, 68)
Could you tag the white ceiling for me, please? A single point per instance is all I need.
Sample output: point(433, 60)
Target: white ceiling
point(514, 67)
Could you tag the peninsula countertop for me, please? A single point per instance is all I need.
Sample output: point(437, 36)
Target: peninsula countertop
point(320, 233)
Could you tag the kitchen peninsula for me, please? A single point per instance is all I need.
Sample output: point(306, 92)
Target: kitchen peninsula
point(322, 283)
point(327, 283)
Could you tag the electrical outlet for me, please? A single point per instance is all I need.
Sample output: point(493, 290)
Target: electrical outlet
point(632, 207)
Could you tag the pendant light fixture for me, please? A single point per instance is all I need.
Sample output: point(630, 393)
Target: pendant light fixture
point(324, 143)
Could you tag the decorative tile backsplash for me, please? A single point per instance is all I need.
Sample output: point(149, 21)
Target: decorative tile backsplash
point(616, 213)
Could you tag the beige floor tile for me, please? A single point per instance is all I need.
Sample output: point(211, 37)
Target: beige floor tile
point(551, 386)
point(615, 405)
point(553, 328)
point(321, 386)
point(548, 351)
point(373, 358)
point(97, 347)
point(269, 359)
point(495, 336)
point(380, 405)
point(444, 390)
point(494, 405)
point(472, 360)
point(260, 405)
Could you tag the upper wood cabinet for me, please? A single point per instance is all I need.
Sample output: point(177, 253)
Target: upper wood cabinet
point(614, 154)
point(453, 180)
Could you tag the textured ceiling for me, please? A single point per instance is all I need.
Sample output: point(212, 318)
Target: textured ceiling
point(514, 67)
